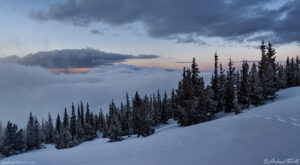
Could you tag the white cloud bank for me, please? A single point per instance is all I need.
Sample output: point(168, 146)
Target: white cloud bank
point(24, 89)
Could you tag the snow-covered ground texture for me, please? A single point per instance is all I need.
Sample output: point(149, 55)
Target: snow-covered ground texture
point(266, 132)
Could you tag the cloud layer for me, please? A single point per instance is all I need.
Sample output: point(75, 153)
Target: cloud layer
point(72, 58)
point(24, 88)
point(236, 20)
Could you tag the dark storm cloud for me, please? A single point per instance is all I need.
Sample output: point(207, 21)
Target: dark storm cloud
point(73, 58)
point(188, 39)
point(228, 19)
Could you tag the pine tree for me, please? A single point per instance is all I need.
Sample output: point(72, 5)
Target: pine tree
point(79, 127)
point(90, 131)
point(57, 132)
point(87, 114)
point(229, 93)
point(122, 118)
point(243, 96)
point(58, 124)
point(66, 119)
point(115, 129)
point(43, 131)
point(289, 75)
point(195, 72)
point(82, 115)
point(236, 107)
point(127, 116)
point(215, 84)
point(164, 115)
point(30, 130)
point(267, 71)
point(281, 77)
point(13, 140)
point(293, 75)
point(63, 137)
point(141, 119)
point(93, 125)
point(297, 71)
point(210, 106)
point(156, 109)
point(49, 130)
point(174, 106)
point(101, 121)
point(222, 89)
point(105, 132)
point(136, 106)
point(73, 123)
point(191, 98)
point(256, 96)
point(37, 134)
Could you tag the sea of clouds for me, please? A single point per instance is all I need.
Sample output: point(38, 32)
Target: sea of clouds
point(25, 89)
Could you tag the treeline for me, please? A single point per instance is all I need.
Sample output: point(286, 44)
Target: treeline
point(137, 116)
point(234, 90)
point(193, 102)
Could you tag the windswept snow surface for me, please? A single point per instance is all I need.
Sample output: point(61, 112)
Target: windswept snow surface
point(266, 132)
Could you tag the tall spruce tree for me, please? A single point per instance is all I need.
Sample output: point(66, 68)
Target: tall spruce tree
point(66, 119)
point(49, 130)
point(141, 119)
point(174, 105)
point(281, 77)
point(267, 71)
point(30, 131)
point(222, 89)
point(256, 92)
point(115, 128)
point(236, 107)
point(73, 123)
point(297, 71)
point(82, 115)
point(215, 84)
point(229, 90)
point(37, 134)
point(13, 140)
point(244, 90)
point(164, 115)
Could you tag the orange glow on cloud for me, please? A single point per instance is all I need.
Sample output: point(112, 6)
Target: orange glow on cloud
point(70, 70)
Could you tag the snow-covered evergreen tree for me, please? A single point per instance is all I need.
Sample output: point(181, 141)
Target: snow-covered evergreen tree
point(244, 90)
point(49, 130)
point(12, 140)
point(229, 90)
point(215, 84)
point(222, 89)
point(115, 128)
point(281, 80)
point(267, 71)
point(30, 144)
point(256, 92)
point(73, 124)
point(37, 134)
point(236, 107)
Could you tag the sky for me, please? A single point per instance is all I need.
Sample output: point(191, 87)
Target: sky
point(174, 30)
point(130, 44)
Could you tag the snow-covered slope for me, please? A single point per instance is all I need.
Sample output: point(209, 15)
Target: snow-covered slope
point(266, 132)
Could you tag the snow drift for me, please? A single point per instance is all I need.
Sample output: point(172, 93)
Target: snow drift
point(253, 137)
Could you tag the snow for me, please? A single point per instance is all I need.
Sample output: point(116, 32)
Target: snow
point(265, 132)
